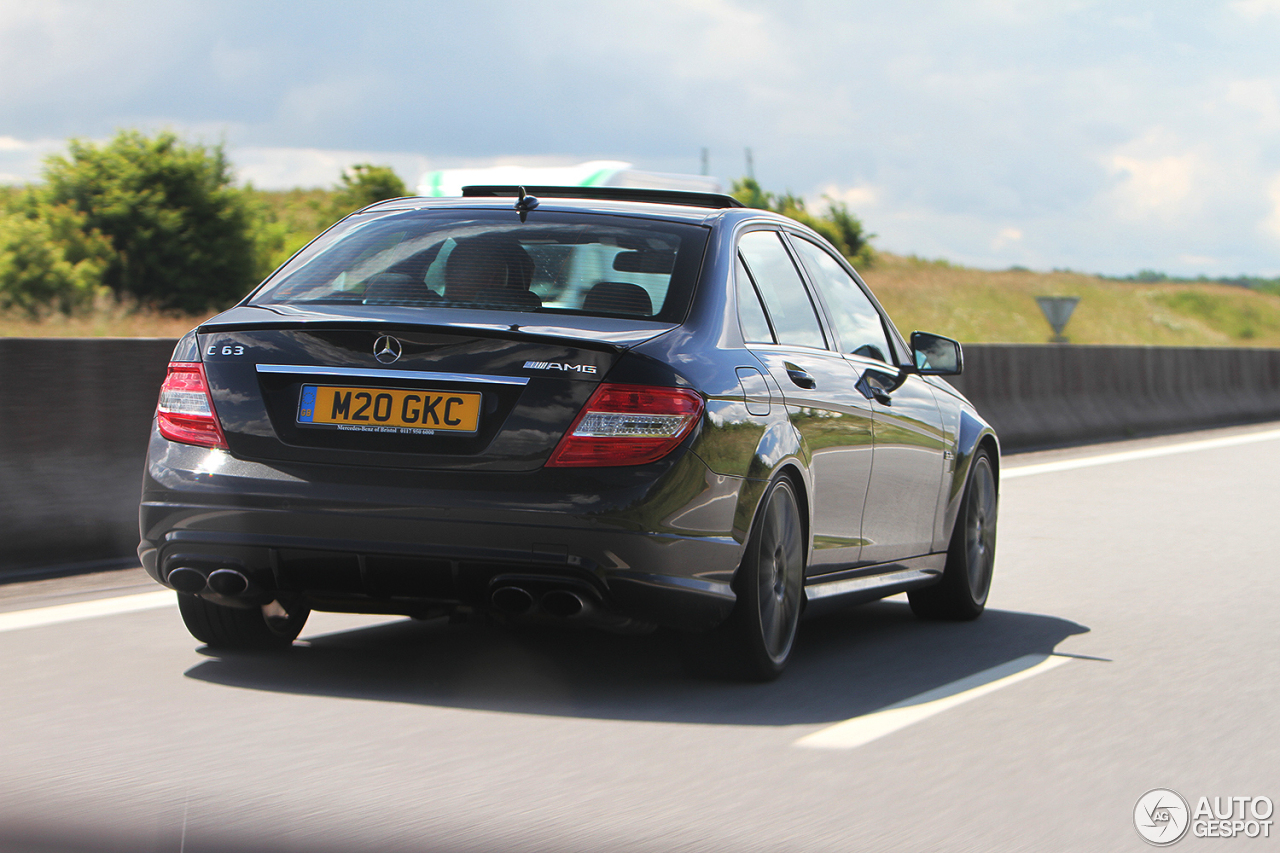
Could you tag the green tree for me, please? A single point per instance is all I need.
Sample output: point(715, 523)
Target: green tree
point(181, 233)
point(286, 220)
point(748, 191)
point(841, 228)
point(50, 260)
point(857, 242)
point(363, 184)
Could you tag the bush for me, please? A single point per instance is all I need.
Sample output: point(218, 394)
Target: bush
point(363, 184)
point(180, 232)
point(50, 260)
point(838, 224)
point(286, 220)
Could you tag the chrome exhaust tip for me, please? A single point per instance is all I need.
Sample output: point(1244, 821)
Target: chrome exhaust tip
point(512, 600)
point(227, 582)
point(562, 603)
point(186, 579)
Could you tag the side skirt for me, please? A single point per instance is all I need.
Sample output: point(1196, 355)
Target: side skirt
point(872, 582)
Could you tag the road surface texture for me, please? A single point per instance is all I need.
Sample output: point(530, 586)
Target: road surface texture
point(1129, 644)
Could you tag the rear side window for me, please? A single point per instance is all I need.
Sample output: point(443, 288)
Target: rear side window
point(794, 319)
point(856, 320)
point(463, 258)
point(755, 325)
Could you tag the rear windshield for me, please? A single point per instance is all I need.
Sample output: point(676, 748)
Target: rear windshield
point(613, 266)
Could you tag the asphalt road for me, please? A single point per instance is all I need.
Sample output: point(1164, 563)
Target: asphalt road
point(1135, 605)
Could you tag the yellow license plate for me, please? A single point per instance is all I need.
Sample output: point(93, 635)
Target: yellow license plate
point(398, 410)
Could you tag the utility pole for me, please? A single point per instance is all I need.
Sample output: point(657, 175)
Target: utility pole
point(706, 161)
point(751, 166)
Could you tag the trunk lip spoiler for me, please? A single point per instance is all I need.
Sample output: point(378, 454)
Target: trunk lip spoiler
point(380, 373)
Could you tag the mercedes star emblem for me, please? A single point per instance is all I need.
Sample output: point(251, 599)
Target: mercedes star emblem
point(387, 349)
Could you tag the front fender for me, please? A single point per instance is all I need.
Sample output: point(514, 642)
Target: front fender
point(973, 433)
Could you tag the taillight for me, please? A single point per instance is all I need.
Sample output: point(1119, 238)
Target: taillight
point(628, 425)
point(185, 412)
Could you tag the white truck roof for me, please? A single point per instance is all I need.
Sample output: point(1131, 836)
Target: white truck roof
point(594, 173)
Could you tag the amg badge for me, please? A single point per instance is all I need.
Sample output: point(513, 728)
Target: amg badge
point(553, 365)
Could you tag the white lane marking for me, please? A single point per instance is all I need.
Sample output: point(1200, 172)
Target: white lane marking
point(86, 610)
point(862, 730)
point(1145, 453)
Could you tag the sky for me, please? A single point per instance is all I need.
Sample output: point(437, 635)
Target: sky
point(1104, 137)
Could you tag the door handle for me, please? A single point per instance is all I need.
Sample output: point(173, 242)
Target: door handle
point(873, 390)
point(800, 378)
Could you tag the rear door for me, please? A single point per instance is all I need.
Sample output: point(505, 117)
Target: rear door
point(818, 386)
point(906, 475)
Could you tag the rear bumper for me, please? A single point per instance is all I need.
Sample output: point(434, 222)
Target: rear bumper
point(654, 543)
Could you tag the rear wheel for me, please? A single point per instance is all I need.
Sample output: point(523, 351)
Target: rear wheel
point(267, 628)
point(755, 643)
point(966, 580)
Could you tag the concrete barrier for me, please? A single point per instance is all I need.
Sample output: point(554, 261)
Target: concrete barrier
point(1045, 396)
point(75, 415)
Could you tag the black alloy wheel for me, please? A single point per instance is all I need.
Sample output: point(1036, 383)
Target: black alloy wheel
point(757, 639)
point(270, 627)
point(966, 580)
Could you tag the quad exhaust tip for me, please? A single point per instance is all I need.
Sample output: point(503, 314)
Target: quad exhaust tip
point(562, 603)
point(186, 579)
point(227, 582)
point(512, 600)
point(517, 601)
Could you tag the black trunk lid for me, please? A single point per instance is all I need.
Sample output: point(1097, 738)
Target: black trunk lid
point(528, 375)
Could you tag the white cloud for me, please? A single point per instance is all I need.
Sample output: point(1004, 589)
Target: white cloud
point(720, 30)
point(21, 159)
point(265, 167)
point(939, 129)
point(8, 143)
point(1255, 10)
point(1152, 184)
point(1257, 96)
point(1271, 225)
point(859, 198)
point(1203, 262)
point(282, 168)
point(1006, 237)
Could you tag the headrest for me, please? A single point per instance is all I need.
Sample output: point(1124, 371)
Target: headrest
point(489, 256)
point(618, 297)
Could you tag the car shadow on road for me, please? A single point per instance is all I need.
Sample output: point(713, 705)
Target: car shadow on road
point(848, 662)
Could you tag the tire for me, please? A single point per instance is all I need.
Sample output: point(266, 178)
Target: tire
point(257, 629)
point(966, 579)
point(756, 641)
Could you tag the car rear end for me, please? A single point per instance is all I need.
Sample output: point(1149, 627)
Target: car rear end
point(442, 408)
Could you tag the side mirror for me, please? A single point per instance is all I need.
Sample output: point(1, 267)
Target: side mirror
point(935, 355)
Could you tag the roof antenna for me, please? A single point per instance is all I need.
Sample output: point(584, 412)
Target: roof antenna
point(525, 203)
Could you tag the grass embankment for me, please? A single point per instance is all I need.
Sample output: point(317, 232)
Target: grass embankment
point(107, 321)
point(982, 306)
point(972, 305)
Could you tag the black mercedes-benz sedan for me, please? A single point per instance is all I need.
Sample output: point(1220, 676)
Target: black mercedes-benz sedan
point(629, 408)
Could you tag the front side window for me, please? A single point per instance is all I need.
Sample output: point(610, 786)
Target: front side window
point(856, 320)
point(794, 319)
point(439, 259)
